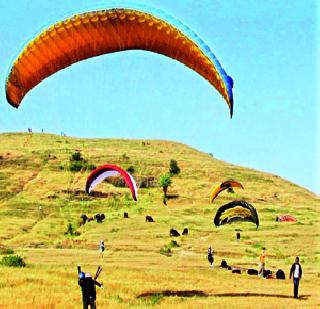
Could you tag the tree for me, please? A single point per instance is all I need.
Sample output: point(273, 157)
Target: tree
point(165, 181)
point(173, 167)
point(76, 156)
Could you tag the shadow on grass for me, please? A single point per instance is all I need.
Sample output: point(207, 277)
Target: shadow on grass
point(192, 293)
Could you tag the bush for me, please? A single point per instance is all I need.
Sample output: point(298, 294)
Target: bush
point(130, 169)
point(13, 261)
point(91, 167)
point(70, 230)
point(166, 251)
point(76, 156)
point(114, 230)
point(173, 167)
point(125, 157)
point(78, 163)
point(173, 244)
point(76, 166)
point(6, 251)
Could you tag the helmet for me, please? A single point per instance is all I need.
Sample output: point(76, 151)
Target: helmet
point(81, 275)
point(88, 275)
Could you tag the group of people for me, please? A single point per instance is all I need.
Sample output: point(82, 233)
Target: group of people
point(295, 271)
point(88, 284)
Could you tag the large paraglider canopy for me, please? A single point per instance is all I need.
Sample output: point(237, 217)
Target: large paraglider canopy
point(223, 186)
point(104, 171)
point(236, 211)
point(100, 32)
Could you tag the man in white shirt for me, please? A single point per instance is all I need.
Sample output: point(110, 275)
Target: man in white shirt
point(296, 273)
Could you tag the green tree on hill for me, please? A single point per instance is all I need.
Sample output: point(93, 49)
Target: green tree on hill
point(78, 163)
point(165, 181)
point(76, 156)
point(173, 167)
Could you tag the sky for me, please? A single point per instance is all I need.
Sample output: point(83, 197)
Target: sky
point(268, 47)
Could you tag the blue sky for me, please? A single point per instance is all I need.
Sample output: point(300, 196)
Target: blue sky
point(267, 47)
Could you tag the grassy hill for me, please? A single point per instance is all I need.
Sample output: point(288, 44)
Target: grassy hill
point(40, 197)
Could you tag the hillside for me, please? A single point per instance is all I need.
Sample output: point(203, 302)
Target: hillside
point(40, 197)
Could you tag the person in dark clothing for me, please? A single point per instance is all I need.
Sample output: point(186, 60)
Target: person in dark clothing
point(88, 289)
point(296, 273)
point(210, 256)
point(83, 284)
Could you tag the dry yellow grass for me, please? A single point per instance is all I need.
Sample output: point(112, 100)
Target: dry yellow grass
point(33, 173)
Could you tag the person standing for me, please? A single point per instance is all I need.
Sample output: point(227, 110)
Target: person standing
point(238, 236)
point(296, 273)
point(211, 257)
point(91, 290)
point(262, 262)
point(84, 289)
point(87, 284)
point(101, 248)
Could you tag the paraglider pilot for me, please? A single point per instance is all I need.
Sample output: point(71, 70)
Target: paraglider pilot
point(296, 273)
point(262, 262)
point(238, 236)
point(101, 248)
point(211, 256)
point(88, 288)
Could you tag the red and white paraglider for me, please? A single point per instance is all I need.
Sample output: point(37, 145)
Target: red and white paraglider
point(104, 171)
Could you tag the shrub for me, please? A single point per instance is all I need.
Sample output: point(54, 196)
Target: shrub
point(70, 230)
point(130, 169)
point(76, 166)
point(154, 299)
point(125, 157)
point(91, 167)
point(166, 251)
point(173, 244)
point(6, 251)
point(78, 163)
point(13, 261)
point(173, 167)
point(114, 230)
point(76, 156)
